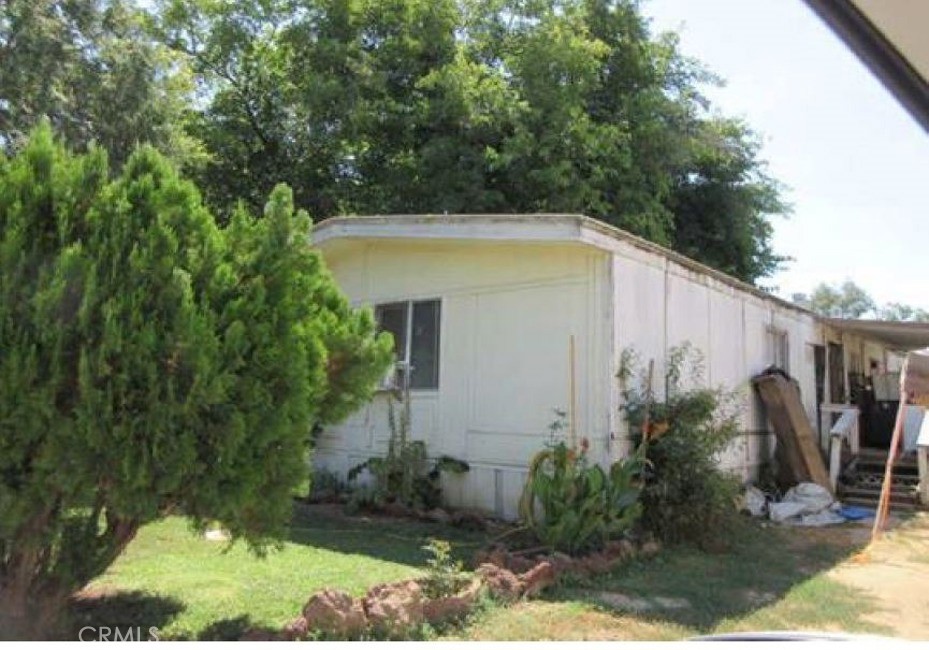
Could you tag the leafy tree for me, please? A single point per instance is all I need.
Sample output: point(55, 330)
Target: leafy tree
point(153, 363)
point(91, 67)
point(367, 106)
point(721, 200)
point(845, 301)
point(848, 300)
point(901, 312)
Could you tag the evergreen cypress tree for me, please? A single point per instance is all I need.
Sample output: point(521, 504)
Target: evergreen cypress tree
point(153, 363)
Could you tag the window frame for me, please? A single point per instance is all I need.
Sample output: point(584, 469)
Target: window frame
point(779, 342)
point(403, 362)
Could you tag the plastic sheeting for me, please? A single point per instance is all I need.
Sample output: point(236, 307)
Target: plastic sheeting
point(806, 504)
point(755, 502)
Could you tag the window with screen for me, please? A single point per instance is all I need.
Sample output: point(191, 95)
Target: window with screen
point(415, 328)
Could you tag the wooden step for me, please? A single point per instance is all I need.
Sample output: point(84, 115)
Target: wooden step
point(897, 477)
point(878, 459)
point(896, 493)
point(897, 506)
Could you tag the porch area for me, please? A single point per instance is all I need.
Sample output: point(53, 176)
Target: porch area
point(858, 395)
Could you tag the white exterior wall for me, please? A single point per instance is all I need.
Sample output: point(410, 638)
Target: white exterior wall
point(661, 304)
point(508, 310)
point(513, 289)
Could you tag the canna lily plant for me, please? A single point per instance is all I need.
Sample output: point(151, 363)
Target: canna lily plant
point(571, 505)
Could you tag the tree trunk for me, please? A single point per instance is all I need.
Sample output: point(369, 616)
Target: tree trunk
point(34, 595)
point(29, 615)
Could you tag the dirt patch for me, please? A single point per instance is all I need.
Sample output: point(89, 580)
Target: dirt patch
point(759, 598)
point(624, 602)
point(894, 572)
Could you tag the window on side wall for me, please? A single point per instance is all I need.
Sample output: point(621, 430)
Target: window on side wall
point(779, 349)
point(415, 328)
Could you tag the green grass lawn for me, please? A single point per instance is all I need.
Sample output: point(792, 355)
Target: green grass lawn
point(190, 587)
point(771, 579)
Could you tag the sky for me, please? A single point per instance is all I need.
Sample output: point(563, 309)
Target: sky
point(855, 164)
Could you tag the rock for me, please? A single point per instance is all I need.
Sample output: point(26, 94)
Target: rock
point(396, 510)
point(672, 603)
point(438, 515)
point(441, 610)
point(502, 583)
point(594, 564)
point(537, 579)
point(469, 520)
point(624, 603)
point(519, 563)
point(650, 548)
point(561, 562)
point(496, 555)
point(394, 608)
point(334, 613)
point(216, 535)
point(296, 630)
point(619, 549)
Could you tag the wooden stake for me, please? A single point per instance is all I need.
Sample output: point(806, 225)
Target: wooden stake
point(646, 421)
point(572, 397)
point(883, 505)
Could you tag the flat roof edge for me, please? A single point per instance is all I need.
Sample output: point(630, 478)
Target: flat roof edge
point(341, 226)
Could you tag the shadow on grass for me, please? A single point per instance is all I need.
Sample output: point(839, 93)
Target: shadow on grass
point(744, 586)
point(123, 615)
point(139, 616)
point(232, 629)
point(392, 539)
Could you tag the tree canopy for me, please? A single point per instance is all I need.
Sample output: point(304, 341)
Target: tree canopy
point(849, 300)
point(92, 68)
point(404, 106)
point(432, 106)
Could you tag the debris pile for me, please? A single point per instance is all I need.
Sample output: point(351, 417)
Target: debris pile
point(805, 504)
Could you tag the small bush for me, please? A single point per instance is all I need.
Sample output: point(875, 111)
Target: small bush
point(444, 574)
point(687, 497)
point(404, 475)
point(326, 487)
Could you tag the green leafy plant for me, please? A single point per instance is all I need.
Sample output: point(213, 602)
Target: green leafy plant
point(571, 505)
point(403, 475)
point(326, 486)
point(687, 497)
point(444, 574)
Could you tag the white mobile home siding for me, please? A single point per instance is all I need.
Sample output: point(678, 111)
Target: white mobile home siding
point(507, 312)
point(513, 289)
point(661, 304)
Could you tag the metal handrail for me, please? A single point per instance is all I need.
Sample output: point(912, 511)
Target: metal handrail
point(844, 430)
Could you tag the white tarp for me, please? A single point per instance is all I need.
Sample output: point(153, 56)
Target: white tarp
point(806, 504)
point(755, 501)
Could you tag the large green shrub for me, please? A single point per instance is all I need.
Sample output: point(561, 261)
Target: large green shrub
point(152, 363)
point(687, 497)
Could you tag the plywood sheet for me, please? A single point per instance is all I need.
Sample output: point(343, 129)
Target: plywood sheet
point(800, 455)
